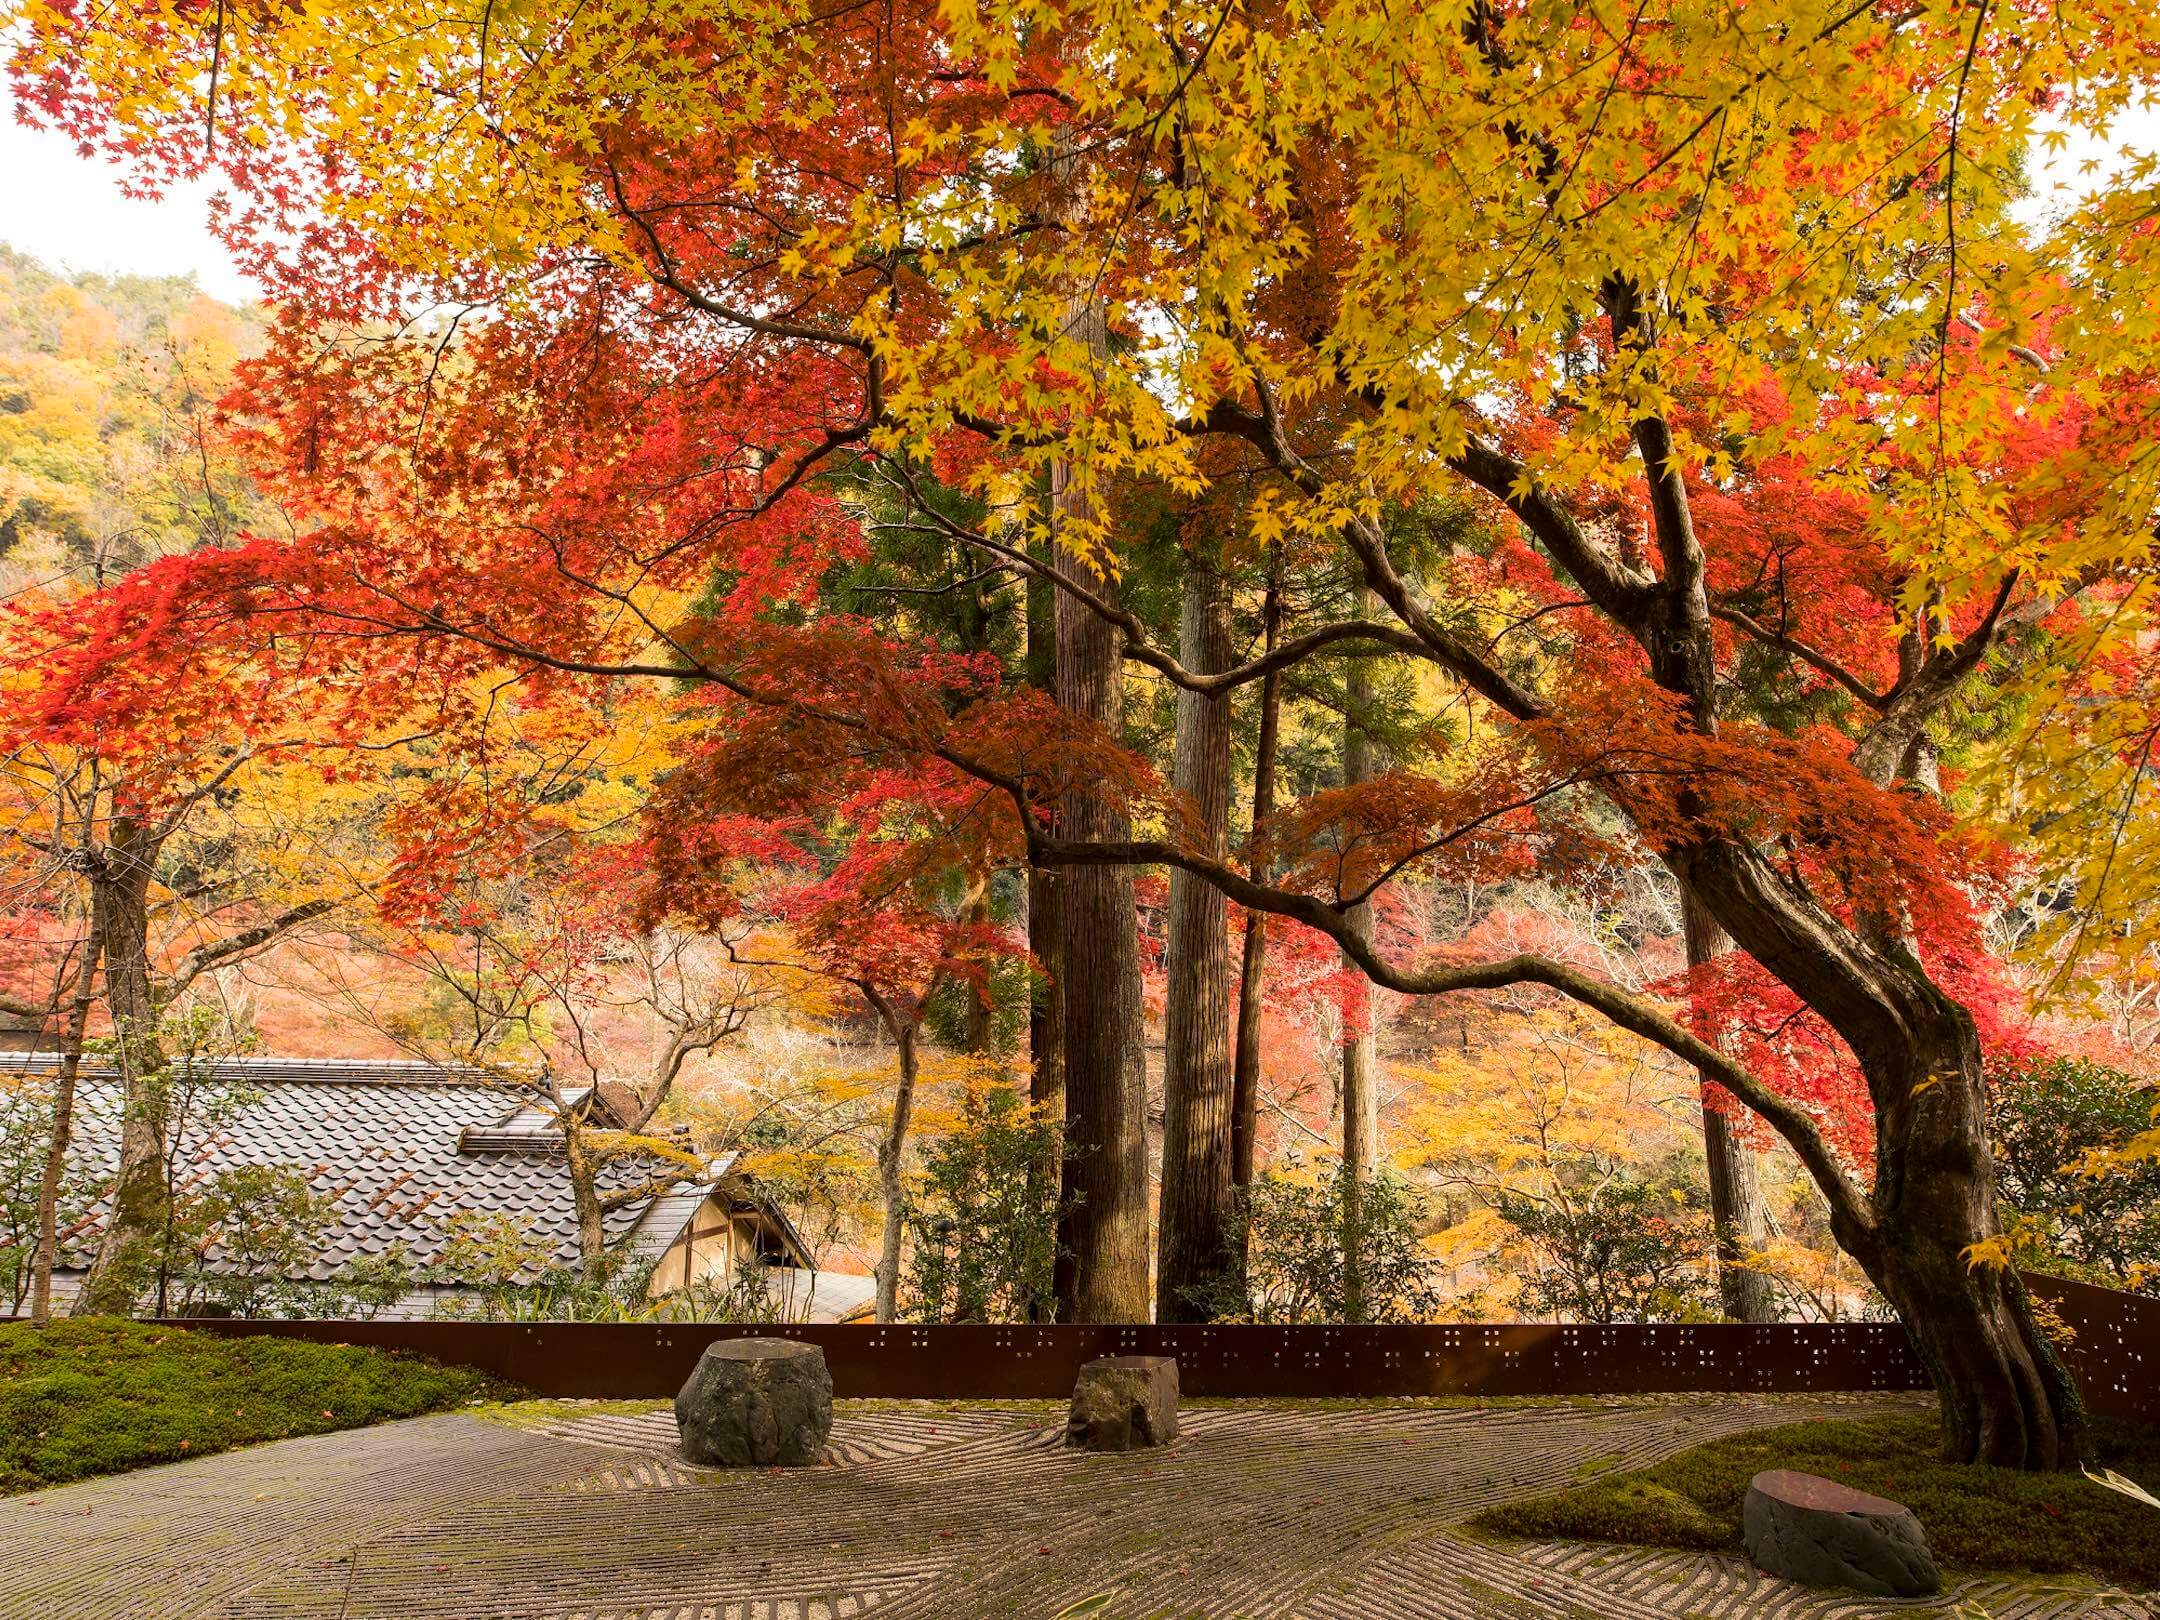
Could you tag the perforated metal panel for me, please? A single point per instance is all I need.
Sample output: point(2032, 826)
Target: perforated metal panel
point(2116, 1348)
point(987, 1362)
point(2115, 1353)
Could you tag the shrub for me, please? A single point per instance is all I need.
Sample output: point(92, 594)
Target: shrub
point(1622, 1250)
point(982, 1218)
point(2046, 1119)
point(1291, 1233)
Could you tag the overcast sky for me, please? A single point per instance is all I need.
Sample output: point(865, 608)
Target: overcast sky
point(69, 212)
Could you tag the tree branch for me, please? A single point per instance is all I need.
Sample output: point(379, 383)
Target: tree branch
point(245, 943)
point(1631, 1012)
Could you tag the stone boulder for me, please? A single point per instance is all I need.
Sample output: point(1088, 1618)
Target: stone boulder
point(1122, 1403)
point(756, 1403)
point(1816, 1531)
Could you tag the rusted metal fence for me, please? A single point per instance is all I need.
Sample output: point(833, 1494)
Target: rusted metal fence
point(2114, 1345)
point(635, 1360)
point(2116, 1350)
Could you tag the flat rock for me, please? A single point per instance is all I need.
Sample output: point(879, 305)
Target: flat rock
point(1816, 1531)
point(756, 1403)
point(1124, 1403)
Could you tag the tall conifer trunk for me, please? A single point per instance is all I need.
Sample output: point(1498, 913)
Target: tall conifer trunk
point(1361, 1044)
point(1102, 1262)
point(1245, 1077)
point(1046, 944)
point(1738, 1215)
point(902, 1026)
point(1193, 1249)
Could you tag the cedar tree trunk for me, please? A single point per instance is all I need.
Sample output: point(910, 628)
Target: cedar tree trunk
point(891, 1151)
point(1102, 1261)
point(1046, 944)
point(1360, 1051)
point(1737, 1212)
point(1193, 1250)
point(1245, 1078)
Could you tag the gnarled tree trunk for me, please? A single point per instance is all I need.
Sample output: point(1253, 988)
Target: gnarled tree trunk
point(1921, 1230)
point(1193, 1251)
point(136, 1217)
point(582, 1166)
point(63, 1119)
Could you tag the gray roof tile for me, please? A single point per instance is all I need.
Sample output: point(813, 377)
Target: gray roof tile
point(381, 1142)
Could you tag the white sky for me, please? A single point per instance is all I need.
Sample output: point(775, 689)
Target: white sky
point(68, 210)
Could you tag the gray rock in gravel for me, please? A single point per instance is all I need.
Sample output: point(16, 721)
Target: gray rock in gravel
point(756, 1403)
point(1123, 1403)
point(1816, 1531)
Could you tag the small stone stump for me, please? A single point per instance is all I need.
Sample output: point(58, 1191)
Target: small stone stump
point(1816, 1531)
point(756, 1403)
point(1124, 1403)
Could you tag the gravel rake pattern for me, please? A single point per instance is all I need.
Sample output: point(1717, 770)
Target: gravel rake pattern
point(1263, 1511)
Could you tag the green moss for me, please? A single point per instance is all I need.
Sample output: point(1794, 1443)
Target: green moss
point(530, 1414)
point(1976, 1518)
point(92, 1396)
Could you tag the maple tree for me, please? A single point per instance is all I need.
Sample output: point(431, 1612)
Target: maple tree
point(686, 264)
point(154, 848)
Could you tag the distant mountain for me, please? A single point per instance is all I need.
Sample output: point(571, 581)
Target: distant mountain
point(107, 437)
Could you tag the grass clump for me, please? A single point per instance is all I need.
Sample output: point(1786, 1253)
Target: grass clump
point(90, 1396)
point(1976, 1518)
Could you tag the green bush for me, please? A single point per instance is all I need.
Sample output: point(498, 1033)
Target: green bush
point(90, 1396)
point(983, 1217)
point(1622, 1250)
point(1292, 1235)
point(1976, 1518)
point(2045, 1118)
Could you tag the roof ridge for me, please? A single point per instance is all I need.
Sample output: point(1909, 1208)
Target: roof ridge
point(298, 1070)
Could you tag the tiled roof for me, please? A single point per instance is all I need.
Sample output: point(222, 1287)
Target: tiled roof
point(256, 1071)
point(382, 1143)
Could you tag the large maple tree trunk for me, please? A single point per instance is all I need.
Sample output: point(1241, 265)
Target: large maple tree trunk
point(1193, 1235)
point(1738, 1214)
point(2006, 1397)
point(137, 1213)
point(1102, 1261)
point(1931, 1216)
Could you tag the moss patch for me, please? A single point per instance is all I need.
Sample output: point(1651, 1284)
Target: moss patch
point(1976, 1518)
point(92, 1396)
point(542, 1414)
